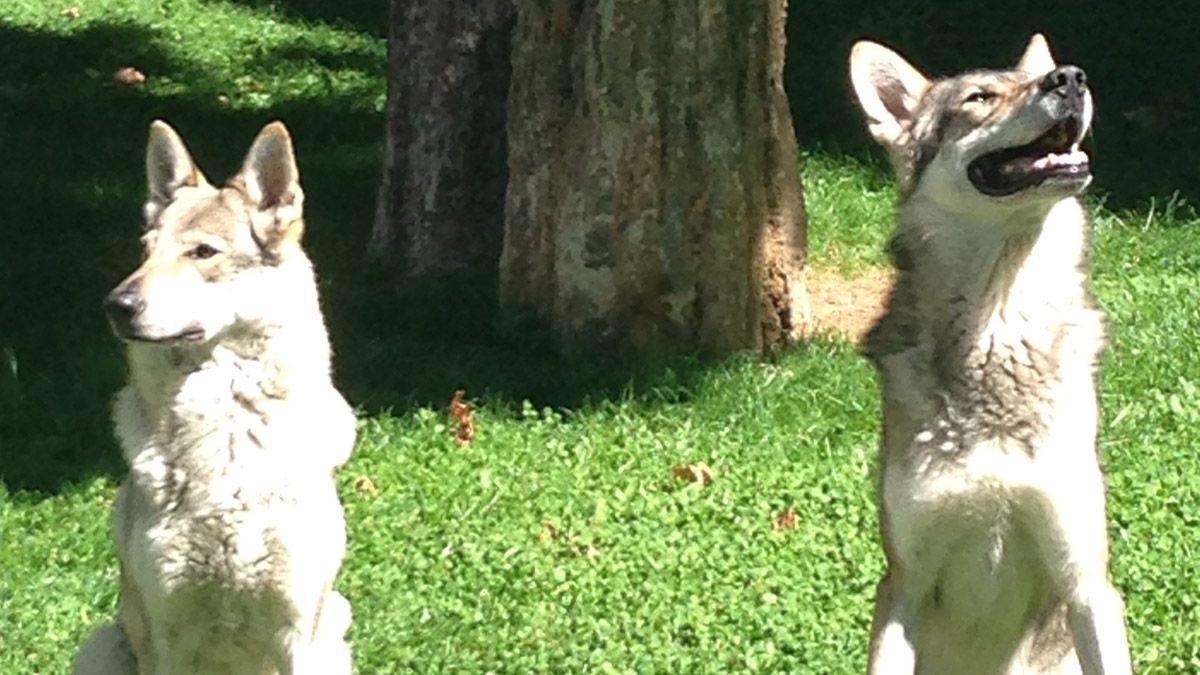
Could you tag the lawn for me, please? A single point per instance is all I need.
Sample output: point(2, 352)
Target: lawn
point(558, 541)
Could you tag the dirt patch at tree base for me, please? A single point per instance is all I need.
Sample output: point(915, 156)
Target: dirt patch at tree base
point(847, 305)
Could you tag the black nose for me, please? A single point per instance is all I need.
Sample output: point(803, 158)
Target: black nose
point(1066, 81)
point(123, 303)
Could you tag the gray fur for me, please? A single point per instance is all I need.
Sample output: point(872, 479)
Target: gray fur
point(990, 493)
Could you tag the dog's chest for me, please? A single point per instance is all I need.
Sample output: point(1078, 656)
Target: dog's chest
point(980, 428)
point(1001, 379)
point(959, 519)
point(227, 496)
point(211, 522)
point(976, 423)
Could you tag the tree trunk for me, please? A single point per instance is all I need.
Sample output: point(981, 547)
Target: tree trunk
point(654, 196)
point(441, 200)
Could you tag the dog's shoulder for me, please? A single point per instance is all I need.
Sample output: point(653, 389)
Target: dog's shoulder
point(898, 328)
point(320, 424)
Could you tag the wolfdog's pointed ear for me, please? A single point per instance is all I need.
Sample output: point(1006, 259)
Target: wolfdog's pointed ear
point(272, 182)
point(169, 167)
point(888, 89)
point(1037, 60)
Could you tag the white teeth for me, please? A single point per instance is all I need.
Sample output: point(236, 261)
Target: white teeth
point(1073, 158)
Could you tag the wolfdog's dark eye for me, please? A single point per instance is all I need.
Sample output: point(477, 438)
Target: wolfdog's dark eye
point(979, 96)
point(202, 252)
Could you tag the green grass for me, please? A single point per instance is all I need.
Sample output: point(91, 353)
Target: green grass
point(558, 541)
point(850, 206)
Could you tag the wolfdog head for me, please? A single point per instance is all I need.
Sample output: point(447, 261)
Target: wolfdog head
point(984, 141)
point(214, 258)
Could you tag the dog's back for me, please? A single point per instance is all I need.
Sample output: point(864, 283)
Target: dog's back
point(990, 493)
point(228, 528)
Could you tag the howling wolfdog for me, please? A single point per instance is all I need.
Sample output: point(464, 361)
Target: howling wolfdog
point(228, 529)
point(990, 492)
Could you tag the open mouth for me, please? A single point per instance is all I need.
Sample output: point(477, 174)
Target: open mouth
point(1053, 157)
point(188, 335)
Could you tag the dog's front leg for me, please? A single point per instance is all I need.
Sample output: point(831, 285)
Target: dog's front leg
point(892, 649)
point(322, 649)
point(1098, 627)
point(1073, 538)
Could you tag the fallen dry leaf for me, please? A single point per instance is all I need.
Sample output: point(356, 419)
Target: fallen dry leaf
point(366, 486)
point(465, 434)
point(549, 531)
point(459, 408)
point(129, 76)
point(786, 520)
point(460, 412)
point(565, 542)
point(693, 473)
point(71, 13)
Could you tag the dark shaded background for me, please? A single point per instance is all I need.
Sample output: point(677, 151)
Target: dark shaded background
point(71, 185)
point(1141, 59)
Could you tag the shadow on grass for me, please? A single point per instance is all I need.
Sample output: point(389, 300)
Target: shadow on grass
point(70, 218)
point(73, 184)
point(1141, 64)
point(365, 16)
point(447, 334)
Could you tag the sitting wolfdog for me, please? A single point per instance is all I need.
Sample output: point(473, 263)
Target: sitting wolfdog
point(228, 529)
point(990, 492)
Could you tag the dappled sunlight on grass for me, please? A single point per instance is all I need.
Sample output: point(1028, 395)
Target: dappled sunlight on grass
point(850, 211)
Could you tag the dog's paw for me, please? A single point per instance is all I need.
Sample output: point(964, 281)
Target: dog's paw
point(106, 652)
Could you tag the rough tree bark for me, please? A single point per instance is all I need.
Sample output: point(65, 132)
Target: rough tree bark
point(654, 196)
point(441, 200)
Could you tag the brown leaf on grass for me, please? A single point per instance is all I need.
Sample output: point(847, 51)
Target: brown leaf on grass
point(366, 486)
point(460, 413)
point(70, 13)
point(465, 434)
point(786, 520)
point(693, 473)
point(129, 76)
point(564, 542)
point(459, 408)
point(549, 532)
